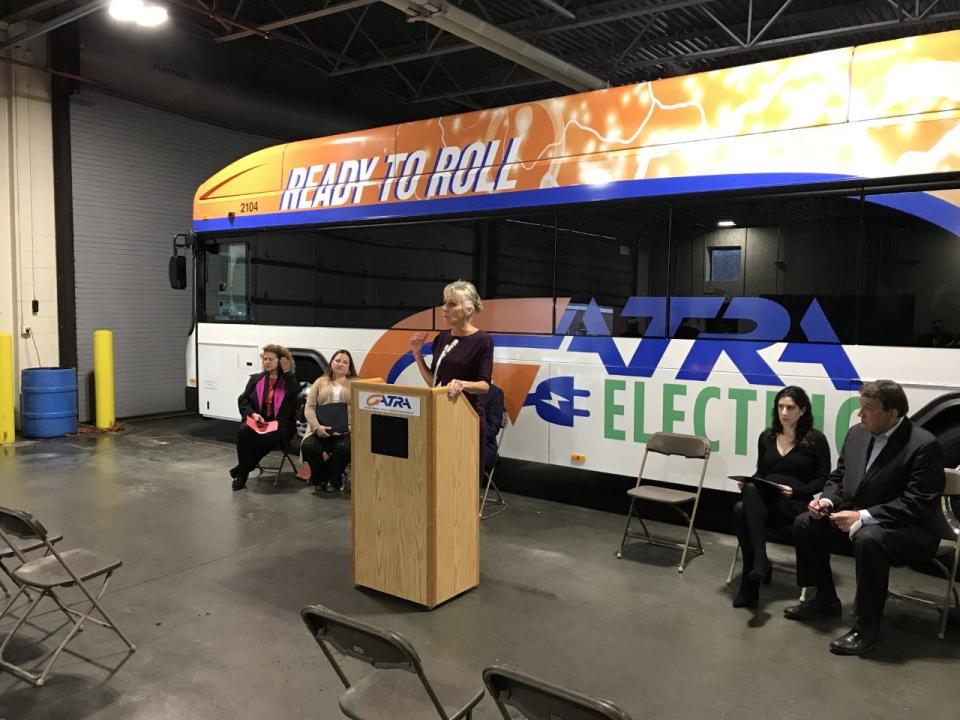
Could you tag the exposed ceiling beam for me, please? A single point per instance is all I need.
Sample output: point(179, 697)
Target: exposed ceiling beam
point(789, 40)
point(57, 22)
point(409, 57)
point(523, 30)
point(31, 10)
point(490, 37)
point(295, 19)
point(559, 9)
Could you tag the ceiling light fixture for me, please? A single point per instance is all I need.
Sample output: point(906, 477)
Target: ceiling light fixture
point(726, 223)
point(142, 13)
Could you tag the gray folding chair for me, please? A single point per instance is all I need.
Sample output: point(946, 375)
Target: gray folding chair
point(42, 577)
point(947, 553)
point(668, 444)
point(20, 549)
point(498, 502)
point(538, 700)
point(384, 693)
point(278, 470)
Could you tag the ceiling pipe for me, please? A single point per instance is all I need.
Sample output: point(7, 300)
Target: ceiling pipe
point(489, 37)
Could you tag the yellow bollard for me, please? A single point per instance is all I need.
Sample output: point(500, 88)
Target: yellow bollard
point(103, 378)
point(7, 432)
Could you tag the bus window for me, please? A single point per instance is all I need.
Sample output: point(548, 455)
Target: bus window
point(606, 254)
point(516, 262)
point(375, 276)
point(799, 253)
point(226, 290)
point(911, 296)
point(284, 278)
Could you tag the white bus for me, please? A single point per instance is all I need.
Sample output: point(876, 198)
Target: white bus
point(662, 256)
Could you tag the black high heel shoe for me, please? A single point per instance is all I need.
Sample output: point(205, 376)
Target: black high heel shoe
point(749, 593)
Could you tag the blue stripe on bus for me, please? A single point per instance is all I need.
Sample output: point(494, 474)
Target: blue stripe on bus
point(620, 190)
point(923, 205)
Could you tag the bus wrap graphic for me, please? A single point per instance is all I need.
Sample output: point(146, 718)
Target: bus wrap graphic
point(560, 401)
point(829, 116)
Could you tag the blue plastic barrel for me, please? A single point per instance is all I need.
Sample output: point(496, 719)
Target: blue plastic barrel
point(48, 402)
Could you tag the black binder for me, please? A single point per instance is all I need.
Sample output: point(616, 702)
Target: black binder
point(334, 416)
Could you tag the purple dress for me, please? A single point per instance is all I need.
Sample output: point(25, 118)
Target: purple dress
point(471, 360)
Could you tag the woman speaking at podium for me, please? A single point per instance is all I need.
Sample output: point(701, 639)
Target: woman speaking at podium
point(462, 357)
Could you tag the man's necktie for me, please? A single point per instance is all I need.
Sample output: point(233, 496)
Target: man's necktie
point(866, 464)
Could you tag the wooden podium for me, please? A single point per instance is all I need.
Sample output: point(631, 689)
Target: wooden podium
point(415, 480)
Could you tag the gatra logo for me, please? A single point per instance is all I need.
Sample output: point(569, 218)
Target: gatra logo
point(554, 401)
point(379, 400)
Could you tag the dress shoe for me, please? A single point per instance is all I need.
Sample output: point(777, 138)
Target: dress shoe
point(859, 641)
point(240, 482)
point(813, 609)
point(233, 471)
point(766, 577)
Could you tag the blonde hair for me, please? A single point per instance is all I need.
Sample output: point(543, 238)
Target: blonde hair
point(468, 294)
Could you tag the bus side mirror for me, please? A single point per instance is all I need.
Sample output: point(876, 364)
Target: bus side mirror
point(177, 271)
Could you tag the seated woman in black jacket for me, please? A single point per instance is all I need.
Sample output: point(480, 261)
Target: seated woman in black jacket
point(795, 456)
point(269, 395)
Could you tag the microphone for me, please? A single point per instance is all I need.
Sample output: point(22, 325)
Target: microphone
point(436, 368)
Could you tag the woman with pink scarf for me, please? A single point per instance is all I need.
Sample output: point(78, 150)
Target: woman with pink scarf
point(270, 396)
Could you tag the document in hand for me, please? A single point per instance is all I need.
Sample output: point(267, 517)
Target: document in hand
point(264, 428)
point(754, 479)
point(334, 416)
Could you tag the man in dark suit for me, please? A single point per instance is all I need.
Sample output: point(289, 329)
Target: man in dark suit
point(881, 499)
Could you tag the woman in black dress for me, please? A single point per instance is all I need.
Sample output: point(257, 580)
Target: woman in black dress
point(795, 456)
point(462, 356)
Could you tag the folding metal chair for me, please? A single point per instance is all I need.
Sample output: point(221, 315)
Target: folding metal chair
point(688, 446)
point(384, 693)
point(948, 552)
point(539, 700)
point(42, 577)
point(285, 452)
point(25, 547)
point(499, 501)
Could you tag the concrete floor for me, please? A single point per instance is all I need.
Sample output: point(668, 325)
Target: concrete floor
point(213, 581)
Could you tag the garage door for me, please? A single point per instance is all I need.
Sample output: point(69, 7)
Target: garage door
point(135, 170)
